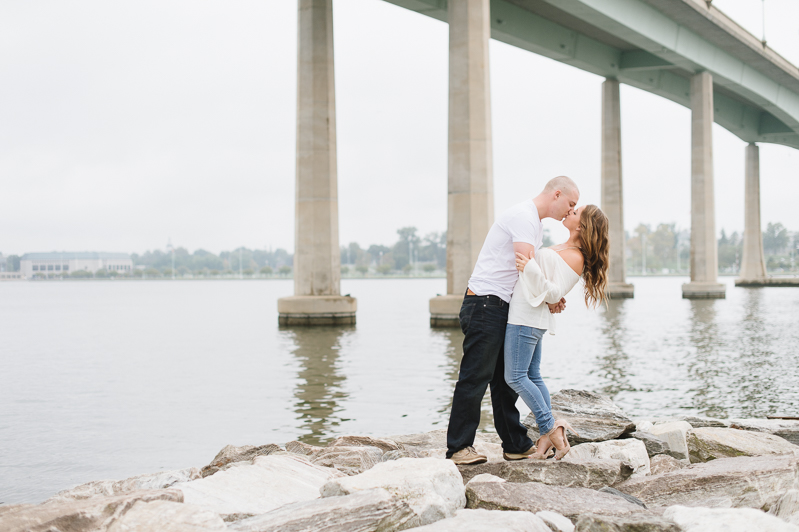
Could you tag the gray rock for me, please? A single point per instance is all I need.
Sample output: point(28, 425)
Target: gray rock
point(630, 451)
point(231, 454)
point(304, 449)
point(482, 520)
point(348, 460)
point(654, 445)
point(663, 463)
point(244, 488)
point(78, 515)
point(104, 488)
point(674, 433)
point(432, 487)
point(617, 493)
point(592, 474)
point(702, 422)
point(726, 520)
point(593, 416)
point(434, 444)
point(710, 443)
point(787, 507)
point(556, 522)
point(633, 523)
point(784, 428)
point(384, 445)
point(537, 497)
point(166, 516)
point(746, 482)
point(363, 511)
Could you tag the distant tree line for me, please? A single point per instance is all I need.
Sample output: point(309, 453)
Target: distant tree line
point(204, 263)
point(668, 250)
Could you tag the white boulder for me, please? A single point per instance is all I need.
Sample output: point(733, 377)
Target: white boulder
point(256, 488)
point(432, 487)
point(482, 520)
point(787, 507)
point(674, 433)
point(555, 521)
point(630, 450)
point(166, 516)
point(693, 519)
point(152, 481)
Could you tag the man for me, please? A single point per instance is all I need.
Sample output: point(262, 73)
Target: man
point(483, 317)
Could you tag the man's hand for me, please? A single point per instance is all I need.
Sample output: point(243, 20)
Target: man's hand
point(558, 307)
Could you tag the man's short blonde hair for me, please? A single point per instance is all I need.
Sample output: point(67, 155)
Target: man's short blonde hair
point(562, 183)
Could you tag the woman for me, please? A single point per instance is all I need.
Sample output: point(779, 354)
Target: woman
point(547, 279)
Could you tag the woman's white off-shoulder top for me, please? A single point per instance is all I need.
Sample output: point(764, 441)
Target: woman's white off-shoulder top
point(544, 280)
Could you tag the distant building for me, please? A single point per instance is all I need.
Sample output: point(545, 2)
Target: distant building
point(58, 263)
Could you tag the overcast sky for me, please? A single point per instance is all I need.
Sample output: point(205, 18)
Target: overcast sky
point(124, 124)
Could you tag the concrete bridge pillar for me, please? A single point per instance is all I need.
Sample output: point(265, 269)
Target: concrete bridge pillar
point(704, 248)
point(612, 200)
point(470, 200)
point(317, 260)
point(753, 262)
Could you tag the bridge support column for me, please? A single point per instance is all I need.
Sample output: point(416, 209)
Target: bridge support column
point(317, 260)
point(470, 198)
point(612, 200)
point(704, 248)
point(753, 262)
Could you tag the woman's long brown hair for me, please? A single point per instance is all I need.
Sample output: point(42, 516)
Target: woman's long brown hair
point(594, 246)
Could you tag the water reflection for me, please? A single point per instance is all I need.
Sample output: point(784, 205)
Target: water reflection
point(320, 387)
point(755, 354)
point(613, 365)
point(709, 364)
point(453, 349)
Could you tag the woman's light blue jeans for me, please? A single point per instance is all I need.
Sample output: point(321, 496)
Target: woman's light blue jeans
point(523, 375)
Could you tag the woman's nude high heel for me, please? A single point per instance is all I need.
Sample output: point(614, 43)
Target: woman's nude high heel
point(542, 448)
point(558, 438)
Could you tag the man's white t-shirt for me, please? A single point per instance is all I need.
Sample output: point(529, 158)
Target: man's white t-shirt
point(495, 272)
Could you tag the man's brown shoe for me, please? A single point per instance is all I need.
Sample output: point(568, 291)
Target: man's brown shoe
point(519, 456)
point(468, 456)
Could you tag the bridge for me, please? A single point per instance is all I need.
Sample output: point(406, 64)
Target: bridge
point(684, 50)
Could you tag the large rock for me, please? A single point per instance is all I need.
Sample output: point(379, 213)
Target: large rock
point(663, 463)
point(784, 428)
point(674, 433)
point(592, 474)
point(746, 482)
point(244, 489)
point(433, 444)
point(726, 520)
point(231, 454)
point(787, 507)
point(78, 515)
point(654, 445)
point(482, 520)
point(710, 443)
point(630, 451)
point(384, 445)
point(698, 422)
point(152, 481)
point(555, 521)
point(593, 416)
point(166, 516)
point(537, 497)
point(432, 487)
point(631, 523)
point(363, 511)
point(348, 460)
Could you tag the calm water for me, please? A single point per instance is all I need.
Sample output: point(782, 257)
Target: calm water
point(112, 379)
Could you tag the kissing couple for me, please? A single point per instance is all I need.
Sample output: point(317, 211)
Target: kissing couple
point(514, 292)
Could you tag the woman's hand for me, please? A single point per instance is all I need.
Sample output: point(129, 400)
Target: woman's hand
point(521, 260)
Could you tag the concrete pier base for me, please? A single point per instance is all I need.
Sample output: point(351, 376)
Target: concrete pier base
point(767, 281)
point(317, 310)
point(444, 311)
point(695, 290)
point(620, 291)
point(704, 248)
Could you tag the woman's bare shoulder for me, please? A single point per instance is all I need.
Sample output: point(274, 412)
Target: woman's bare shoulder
point(574, 258)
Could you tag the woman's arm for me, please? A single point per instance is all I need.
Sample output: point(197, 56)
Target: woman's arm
point(539, 288)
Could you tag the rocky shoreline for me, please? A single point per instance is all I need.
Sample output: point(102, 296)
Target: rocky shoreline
point(622, 474)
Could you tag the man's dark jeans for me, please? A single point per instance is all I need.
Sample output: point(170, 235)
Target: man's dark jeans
point(483, 320)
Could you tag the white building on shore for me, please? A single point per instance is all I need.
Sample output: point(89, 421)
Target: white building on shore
point(64, 263)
